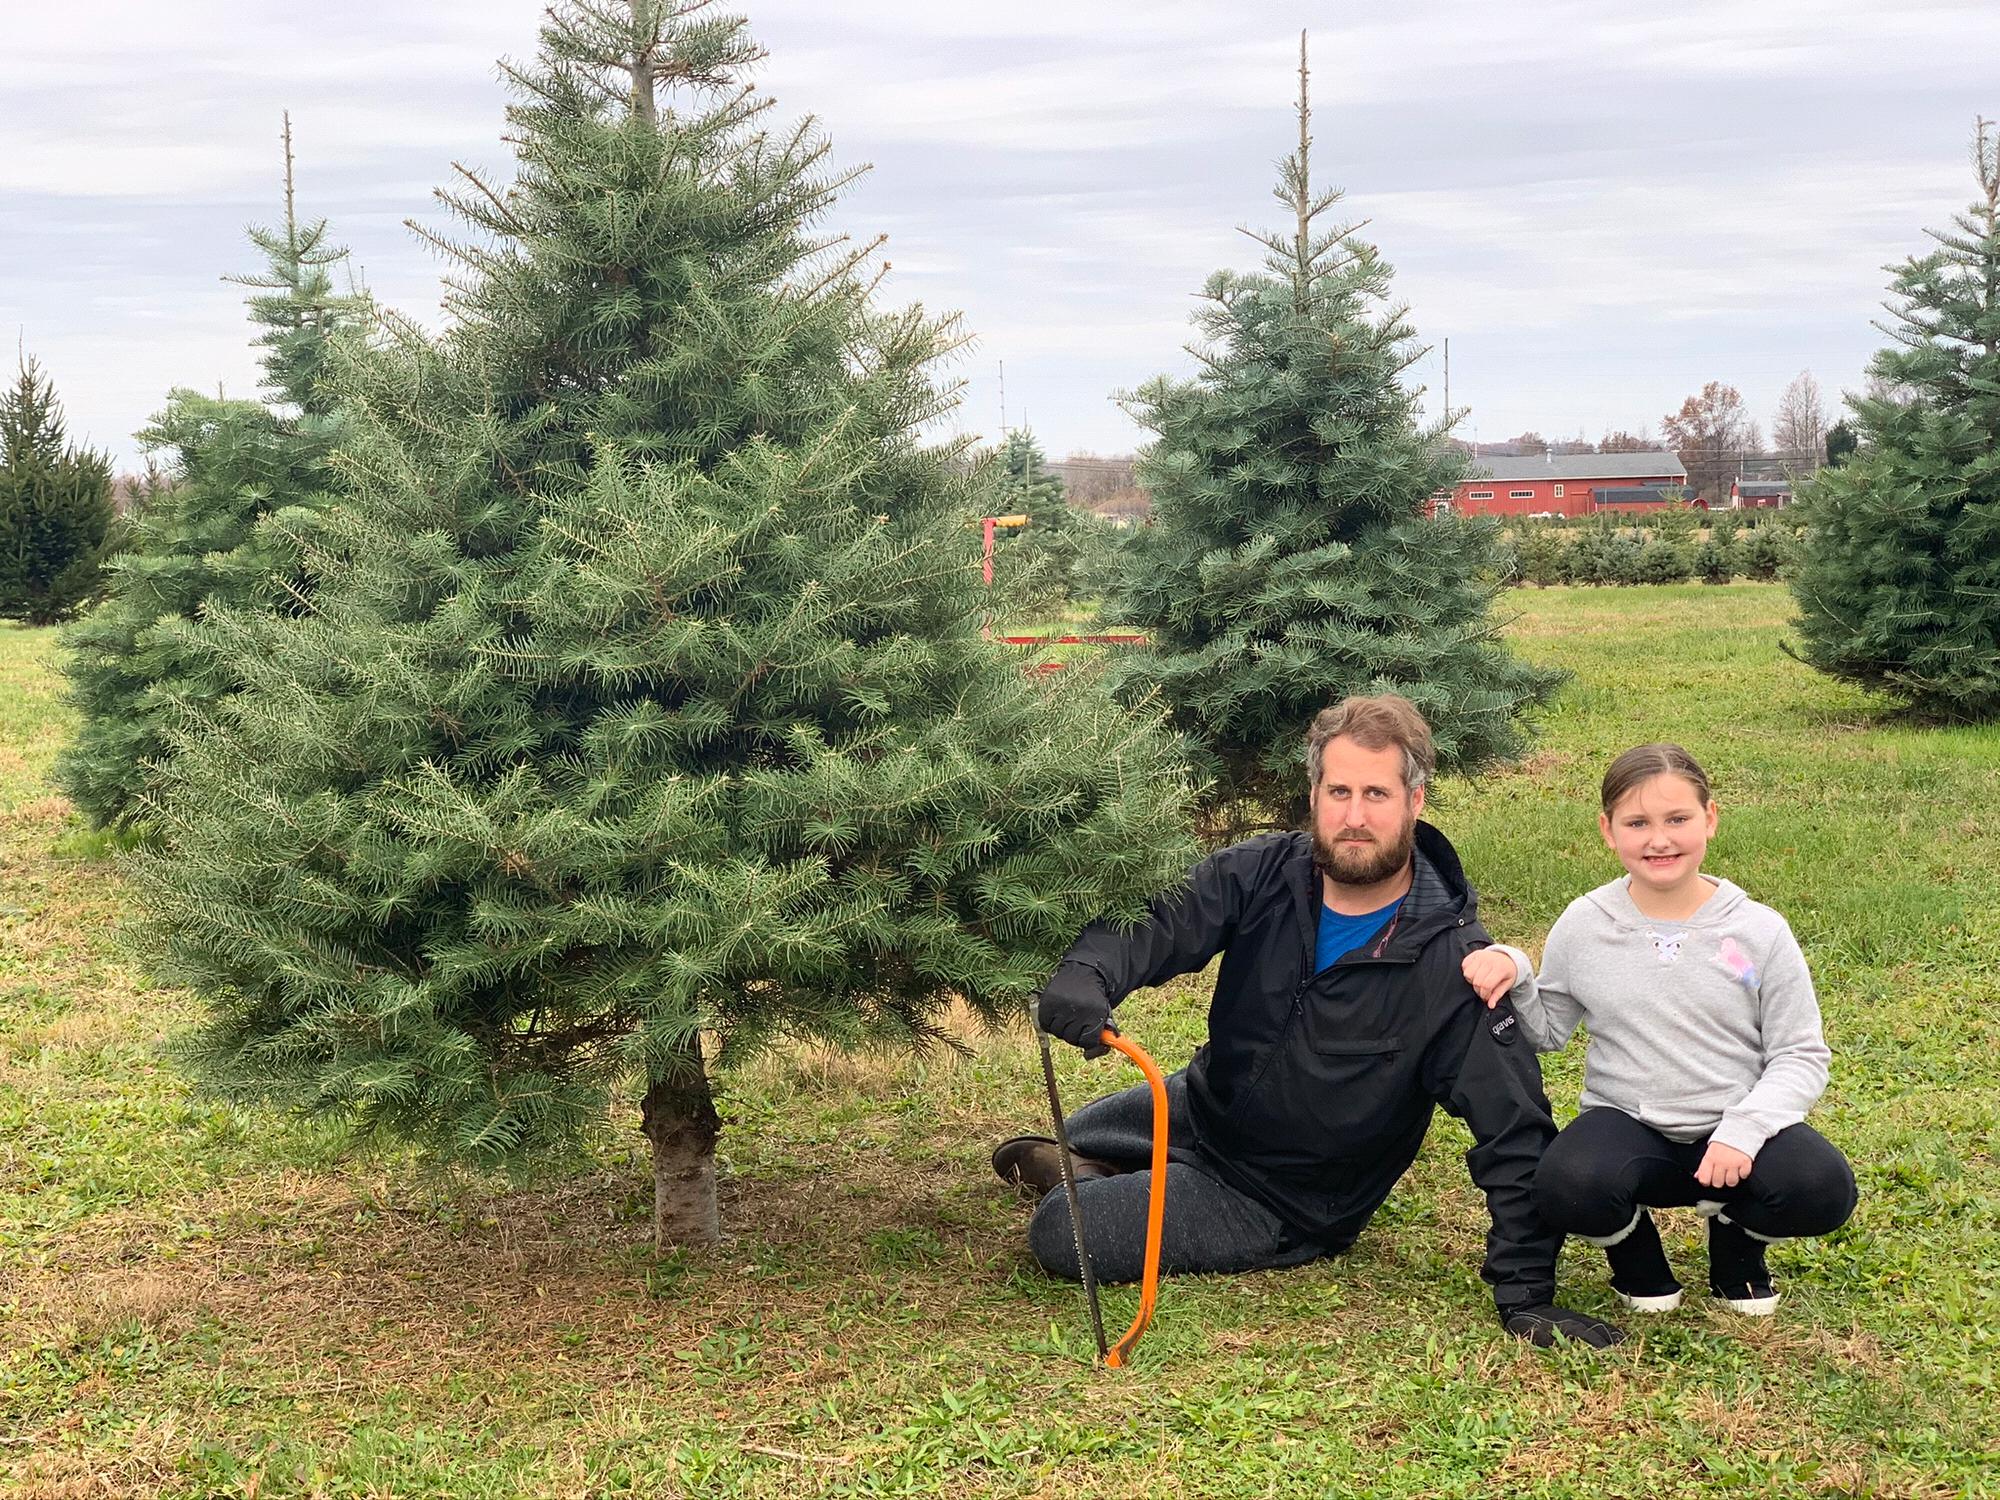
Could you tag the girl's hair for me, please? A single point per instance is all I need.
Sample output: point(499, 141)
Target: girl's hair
point(1642, 763)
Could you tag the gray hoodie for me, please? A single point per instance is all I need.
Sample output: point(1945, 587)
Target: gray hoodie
point(1703, 1026)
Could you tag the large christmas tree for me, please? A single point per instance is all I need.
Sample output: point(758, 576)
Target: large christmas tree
point(640, 717)
point(55, 507)
point(1898, 580)
point(1292, 559)
point(213, 535)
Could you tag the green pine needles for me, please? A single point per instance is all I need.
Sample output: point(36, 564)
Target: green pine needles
point(214, 535)
point(55, 507)
point(1898, 580)
point(636, 716)
point(1039, 568)
point(1292, 560)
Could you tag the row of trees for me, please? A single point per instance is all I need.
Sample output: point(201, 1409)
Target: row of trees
point(567, 706)
point(1670, 551)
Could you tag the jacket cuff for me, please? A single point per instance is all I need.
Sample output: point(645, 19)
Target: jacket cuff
point(1739, 1133)
point(1085, 966)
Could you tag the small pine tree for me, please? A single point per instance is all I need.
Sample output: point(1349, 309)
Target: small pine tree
point(1898, 579)
point(638, 716)
point(56, 509)
point(1666, 552)
point(210, 537)
point(1292, 558)
point(1035, 566)
point(1763, 553)
point(1594, 552)
point(1716, 559)
point(1541, 553)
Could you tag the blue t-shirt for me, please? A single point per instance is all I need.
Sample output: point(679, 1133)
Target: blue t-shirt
point(1340, 935)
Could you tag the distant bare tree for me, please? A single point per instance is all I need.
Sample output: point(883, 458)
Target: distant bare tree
point(1712, 433)
point(1621, 441)
point(1577, 444)
point(1798, 431)
point(1530, 444)
point(1091, 478)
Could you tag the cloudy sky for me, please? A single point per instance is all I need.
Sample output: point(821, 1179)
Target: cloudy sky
point(1601, 203)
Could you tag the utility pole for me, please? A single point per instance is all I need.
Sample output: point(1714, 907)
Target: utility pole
point(1003, 397)
point(1447, 380)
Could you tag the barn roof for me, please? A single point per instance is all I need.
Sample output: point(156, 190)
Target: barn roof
point(1577, 466)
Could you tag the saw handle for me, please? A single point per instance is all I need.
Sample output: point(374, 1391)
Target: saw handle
point(1120, 1353)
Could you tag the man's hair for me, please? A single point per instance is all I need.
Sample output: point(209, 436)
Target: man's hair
point(1375, 723)
point(1642, 763)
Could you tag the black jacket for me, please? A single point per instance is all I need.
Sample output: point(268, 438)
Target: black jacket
point(1314, 1091)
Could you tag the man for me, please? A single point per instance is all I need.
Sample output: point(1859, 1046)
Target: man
point(1340, 1019)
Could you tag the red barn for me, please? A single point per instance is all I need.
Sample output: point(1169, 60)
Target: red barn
point(1564, 484)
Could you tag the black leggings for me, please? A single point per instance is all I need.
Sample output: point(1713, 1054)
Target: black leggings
point(1605, 1166)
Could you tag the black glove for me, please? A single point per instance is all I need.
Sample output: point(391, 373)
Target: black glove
point(1540, 1323)
point(1073, 1009)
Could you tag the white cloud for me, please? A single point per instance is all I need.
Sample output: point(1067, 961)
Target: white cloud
point(1596, 199)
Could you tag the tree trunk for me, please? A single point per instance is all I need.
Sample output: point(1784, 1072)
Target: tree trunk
point(678, 1117)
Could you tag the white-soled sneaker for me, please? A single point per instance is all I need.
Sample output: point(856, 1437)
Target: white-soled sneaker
point(1640, 1274)
point(1752, 1301)
point(1736, 1271)
point(1664, 1303)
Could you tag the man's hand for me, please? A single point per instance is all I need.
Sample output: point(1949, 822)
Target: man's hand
point(1722, 1166)
point(1491, 974)
point(1073, 1009)
point(1543, 1324)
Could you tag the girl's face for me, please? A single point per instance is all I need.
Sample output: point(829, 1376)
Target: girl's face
point(1659, 831)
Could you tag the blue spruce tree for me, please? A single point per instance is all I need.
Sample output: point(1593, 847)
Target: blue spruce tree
point(1292, 558)
point(213, 534)
point(1898, 578)
point(638, 716)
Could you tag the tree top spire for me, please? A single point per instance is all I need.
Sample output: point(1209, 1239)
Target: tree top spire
point(1302, 198)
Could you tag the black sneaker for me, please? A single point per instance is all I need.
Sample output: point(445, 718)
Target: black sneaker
point(1640, 1274)
point(1736, 1271)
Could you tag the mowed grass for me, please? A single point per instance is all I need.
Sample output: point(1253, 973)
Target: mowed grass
point(200, 1301)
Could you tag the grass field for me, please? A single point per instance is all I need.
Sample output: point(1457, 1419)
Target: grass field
point(196, 1301)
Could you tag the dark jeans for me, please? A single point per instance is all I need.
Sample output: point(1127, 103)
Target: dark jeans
point(1605, 1165)
point(1210, 1227)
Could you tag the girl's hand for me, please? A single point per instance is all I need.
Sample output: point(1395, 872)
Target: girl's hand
point(1722, 1166)
point(1490, 973)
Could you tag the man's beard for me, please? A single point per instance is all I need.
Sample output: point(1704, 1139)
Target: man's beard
point(1354, 862)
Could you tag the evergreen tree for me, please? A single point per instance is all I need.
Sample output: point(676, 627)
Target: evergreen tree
point(1666, 550)
point(638, 716)
point(1840, 443)
point(1541, 549)
point(1036, 567)
point(1292, 559)
point(1716, 560)
point(212, 536)
point(1898, 580)
point(55, 507)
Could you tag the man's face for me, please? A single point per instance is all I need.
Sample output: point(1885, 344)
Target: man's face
point(1364, 819)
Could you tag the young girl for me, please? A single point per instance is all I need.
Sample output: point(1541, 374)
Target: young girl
point(1705, 1051)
